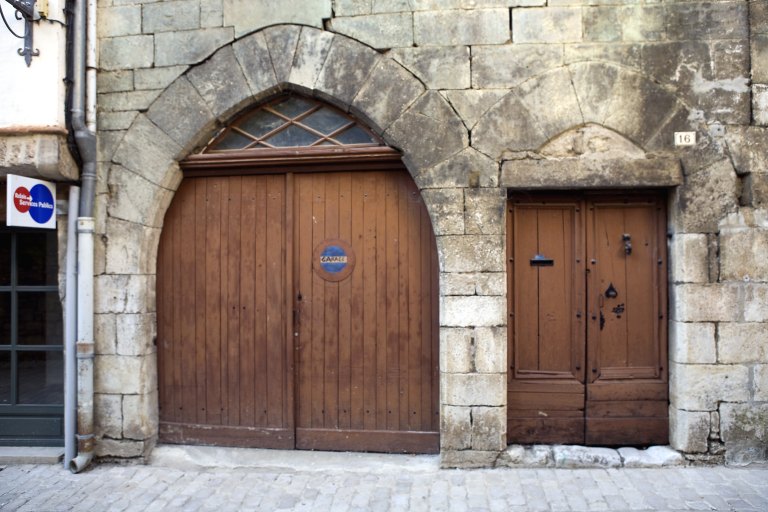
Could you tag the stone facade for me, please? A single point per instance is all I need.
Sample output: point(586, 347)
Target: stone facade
point(481, 97)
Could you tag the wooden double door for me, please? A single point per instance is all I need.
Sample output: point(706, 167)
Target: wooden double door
point(299, 310)
point(587, 320)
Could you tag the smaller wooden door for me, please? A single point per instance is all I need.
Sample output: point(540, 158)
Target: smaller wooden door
point(587, 329)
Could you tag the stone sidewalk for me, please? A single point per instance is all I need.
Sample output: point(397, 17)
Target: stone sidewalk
point(221, 480)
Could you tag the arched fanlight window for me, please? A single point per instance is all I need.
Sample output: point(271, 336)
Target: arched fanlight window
point(292, 122)
point(295, 133)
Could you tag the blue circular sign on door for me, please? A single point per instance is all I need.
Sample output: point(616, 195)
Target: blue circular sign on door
point(42, 206)
point(333, 259)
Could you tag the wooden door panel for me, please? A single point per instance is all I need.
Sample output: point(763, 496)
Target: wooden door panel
point(586, 382)
point(223, 372)
point(367, 356)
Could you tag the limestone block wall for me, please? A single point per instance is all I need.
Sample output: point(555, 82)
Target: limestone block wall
point(476, 94)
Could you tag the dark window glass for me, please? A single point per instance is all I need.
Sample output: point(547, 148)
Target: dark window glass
point(325, 121)
point(293, 106)
point(232, 140)
point(40, 318)
point(5, 377)
point(292, 136)
point(5, 258)
point(354, 135)
point(5, 318)
point(36, 258)
point(41, 377)
point(261, 123)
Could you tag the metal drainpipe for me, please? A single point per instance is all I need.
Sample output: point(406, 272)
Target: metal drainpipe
point(70, 330)
point(86, 144)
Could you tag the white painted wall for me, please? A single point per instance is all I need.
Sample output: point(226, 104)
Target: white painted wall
point(33, 97)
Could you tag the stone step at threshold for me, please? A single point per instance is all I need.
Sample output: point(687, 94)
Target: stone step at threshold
point(31, 455)
point(574, 457)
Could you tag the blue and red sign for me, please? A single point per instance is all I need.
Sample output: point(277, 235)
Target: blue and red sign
point(30, 203)
point(334, 260)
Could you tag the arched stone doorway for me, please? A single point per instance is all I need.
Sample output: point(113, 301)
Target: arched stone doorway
point(297, 290)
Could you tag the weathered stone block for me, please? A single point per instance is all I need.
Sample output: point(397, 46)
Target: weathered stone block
point(189, 46)
point(663, 62)
point(744, 429)
point(469, 311)
point(345, 70)
point(105, 333)
point(689, 258)
point(446, 207)
point(702, 387)
point(445, 67)
point(124, 374)
point(157, 78)
point(519, 456)
point(221, 83)
point(116, 120)
point(490, 350)
point(461, 27)
point(455, 428)
point(377, 30)
point(510, 65)
point(471, 104)
point(756, 302)
point(428, 132)
point(688, 431)
point(171, 16)
point(281, 41)
point(552, 118)
point(136, 334)
point(115, 81)
point(107, 144)
point(473, 389)
point(730, 59)
point(748, 147)
point(351, 7)
point(692, 343)
point(126, 52)
point(129, 100)
point(706, 198)
point(253, 56)
point(484, 211)
point(760, 58)
point(489, 428)
point(140, 416)
point(628, 54)
point(148, 151)
point(652, 457)
point(311, 53)
point(585, 457)
point(130, 195)
point(743, 254)
point(642, 23)
point(127, 247)
point(705, 21)
point(121, 448)
point(456, 350)
point(602, 24)
point(758, 17)
point(182, 101)
point(211, 13)
point(389, 91)
point(760, 104)
point(547, 25)
point(590, 172)
point(507, 127)
point(249, 15)
point(108, 415)
point(123, 293)
point(471, 253)
point(484, 283)
point(123, 20)
point(760, 382)
point(465, 169)
point(467, 459)
point(742, 343)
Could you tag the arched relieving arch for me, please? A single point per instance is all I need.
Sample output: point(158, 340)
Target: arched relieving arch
point(145, 173)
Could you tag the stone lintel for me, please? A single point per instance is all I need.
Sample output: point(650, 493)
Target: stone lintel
point(580, 173)
point(37, 155)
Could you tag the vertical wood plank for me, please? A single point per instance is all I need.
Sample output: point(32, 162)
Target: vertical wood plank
point(526, 294)
point(382, 302)
point(642, 318)
point(248, 287)
point(303, 264)
point(212, 302)
point(201, 211)
point(345, 299)
point(371, 277)
point(357, 298)
point(274, 279)
point(331, 303)
point(234, 279)
point(261, 300)
point(318, 339)
point(393, 304)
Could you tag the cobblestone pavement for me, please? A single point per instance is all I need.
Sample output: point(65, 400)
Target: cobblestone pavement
point(377, 483)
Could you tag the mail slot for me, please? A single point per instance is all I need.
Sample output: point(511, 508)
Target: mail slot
point(542, 261)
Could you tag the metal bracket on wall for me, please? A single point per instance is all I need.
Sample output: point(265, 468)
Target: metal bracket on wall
point(25, 10)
